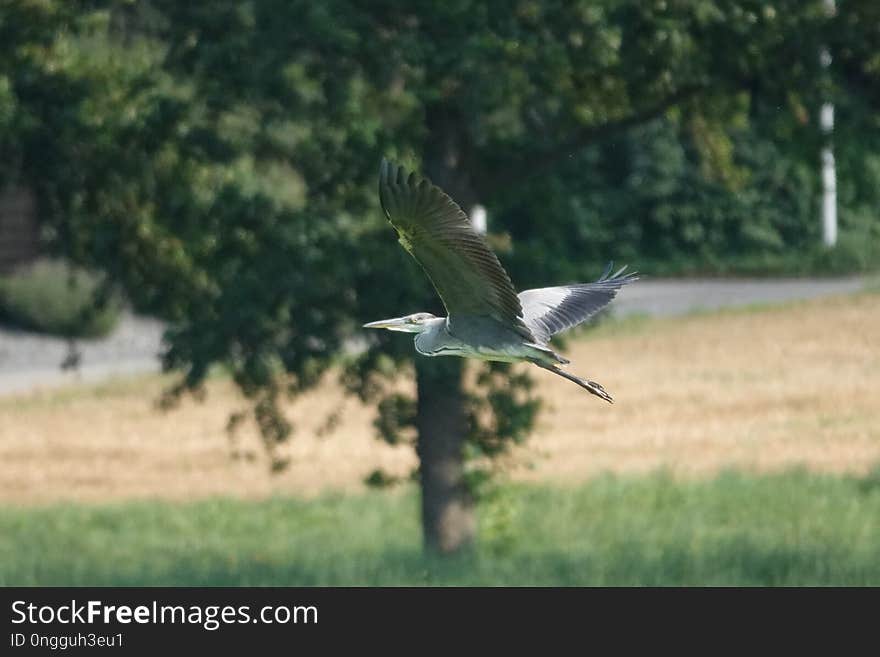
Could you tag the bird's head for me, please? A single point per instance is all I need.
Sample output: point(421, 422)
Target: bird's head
point(415, 323)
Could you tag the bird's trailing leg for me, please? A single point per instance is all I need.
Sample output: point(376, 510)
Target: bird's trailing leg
point(591, 386)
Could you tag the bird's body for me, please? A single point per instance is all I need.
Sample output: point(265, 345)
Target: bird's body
point(487, 319)
point(478, 337)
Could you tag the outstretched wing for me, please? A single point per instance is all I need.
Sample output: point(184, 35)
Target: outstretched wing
point(549, 310)
point(463, 269)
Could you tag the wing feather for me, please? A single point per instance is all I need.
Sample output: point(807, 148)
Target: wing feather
point(550, 310)
point(437, 233)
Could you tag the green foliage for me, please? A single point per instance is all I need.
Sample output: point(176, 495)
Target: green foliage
point(378, 478)
point(501, 410)
point(55, 298)
point(642, 199)
point(790, 529)
point(396, 414)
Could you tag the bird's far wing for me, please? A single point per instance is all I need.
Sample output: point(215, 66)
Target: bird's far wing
point(549, 310)
point(437, 233)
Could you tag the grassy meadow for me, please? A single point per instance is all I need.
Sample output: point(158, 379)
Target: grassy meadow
point(744, 449)
point(793, 528)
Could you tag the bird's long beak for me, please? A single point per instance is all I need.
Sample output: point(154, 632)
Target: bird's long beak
point(394, 324)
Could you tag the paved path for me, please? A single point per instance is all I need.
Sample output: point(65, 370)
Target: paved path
point(28, 361)
point(663, 297)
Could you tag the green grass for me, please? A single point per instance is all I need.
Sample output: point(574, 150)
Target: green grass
point(794, 528)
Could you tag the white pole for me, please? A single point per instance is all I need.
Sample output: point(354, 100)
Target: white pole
point(829, 171)
point(479, 219)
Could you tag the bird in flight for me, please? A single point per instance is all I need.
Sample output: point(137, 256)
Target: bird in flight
point(487, 319)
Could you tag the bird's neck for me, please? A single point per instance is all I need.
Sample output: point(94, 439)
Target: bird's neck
point(431, 336)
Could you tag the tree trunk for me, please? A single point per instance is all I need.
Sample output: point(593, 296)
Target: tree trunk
point(448, 520)
point(447, 507)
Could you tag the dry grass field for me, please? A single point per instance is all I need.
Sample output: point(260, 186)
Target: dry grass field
point(760, 389)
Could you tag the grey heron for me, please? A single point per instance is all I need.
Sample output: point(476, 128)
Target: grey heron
point(487, 319)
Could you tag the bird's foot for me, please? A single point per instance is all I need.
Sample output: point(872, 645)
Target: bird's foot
point(599, 391)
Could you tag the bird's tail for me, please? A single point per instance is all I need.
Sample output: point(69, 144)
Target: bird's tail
point(546, 353)
point(590, 386)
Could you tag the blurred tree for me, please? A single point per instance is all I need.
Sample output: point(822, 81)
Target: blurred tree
point(219, 161)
